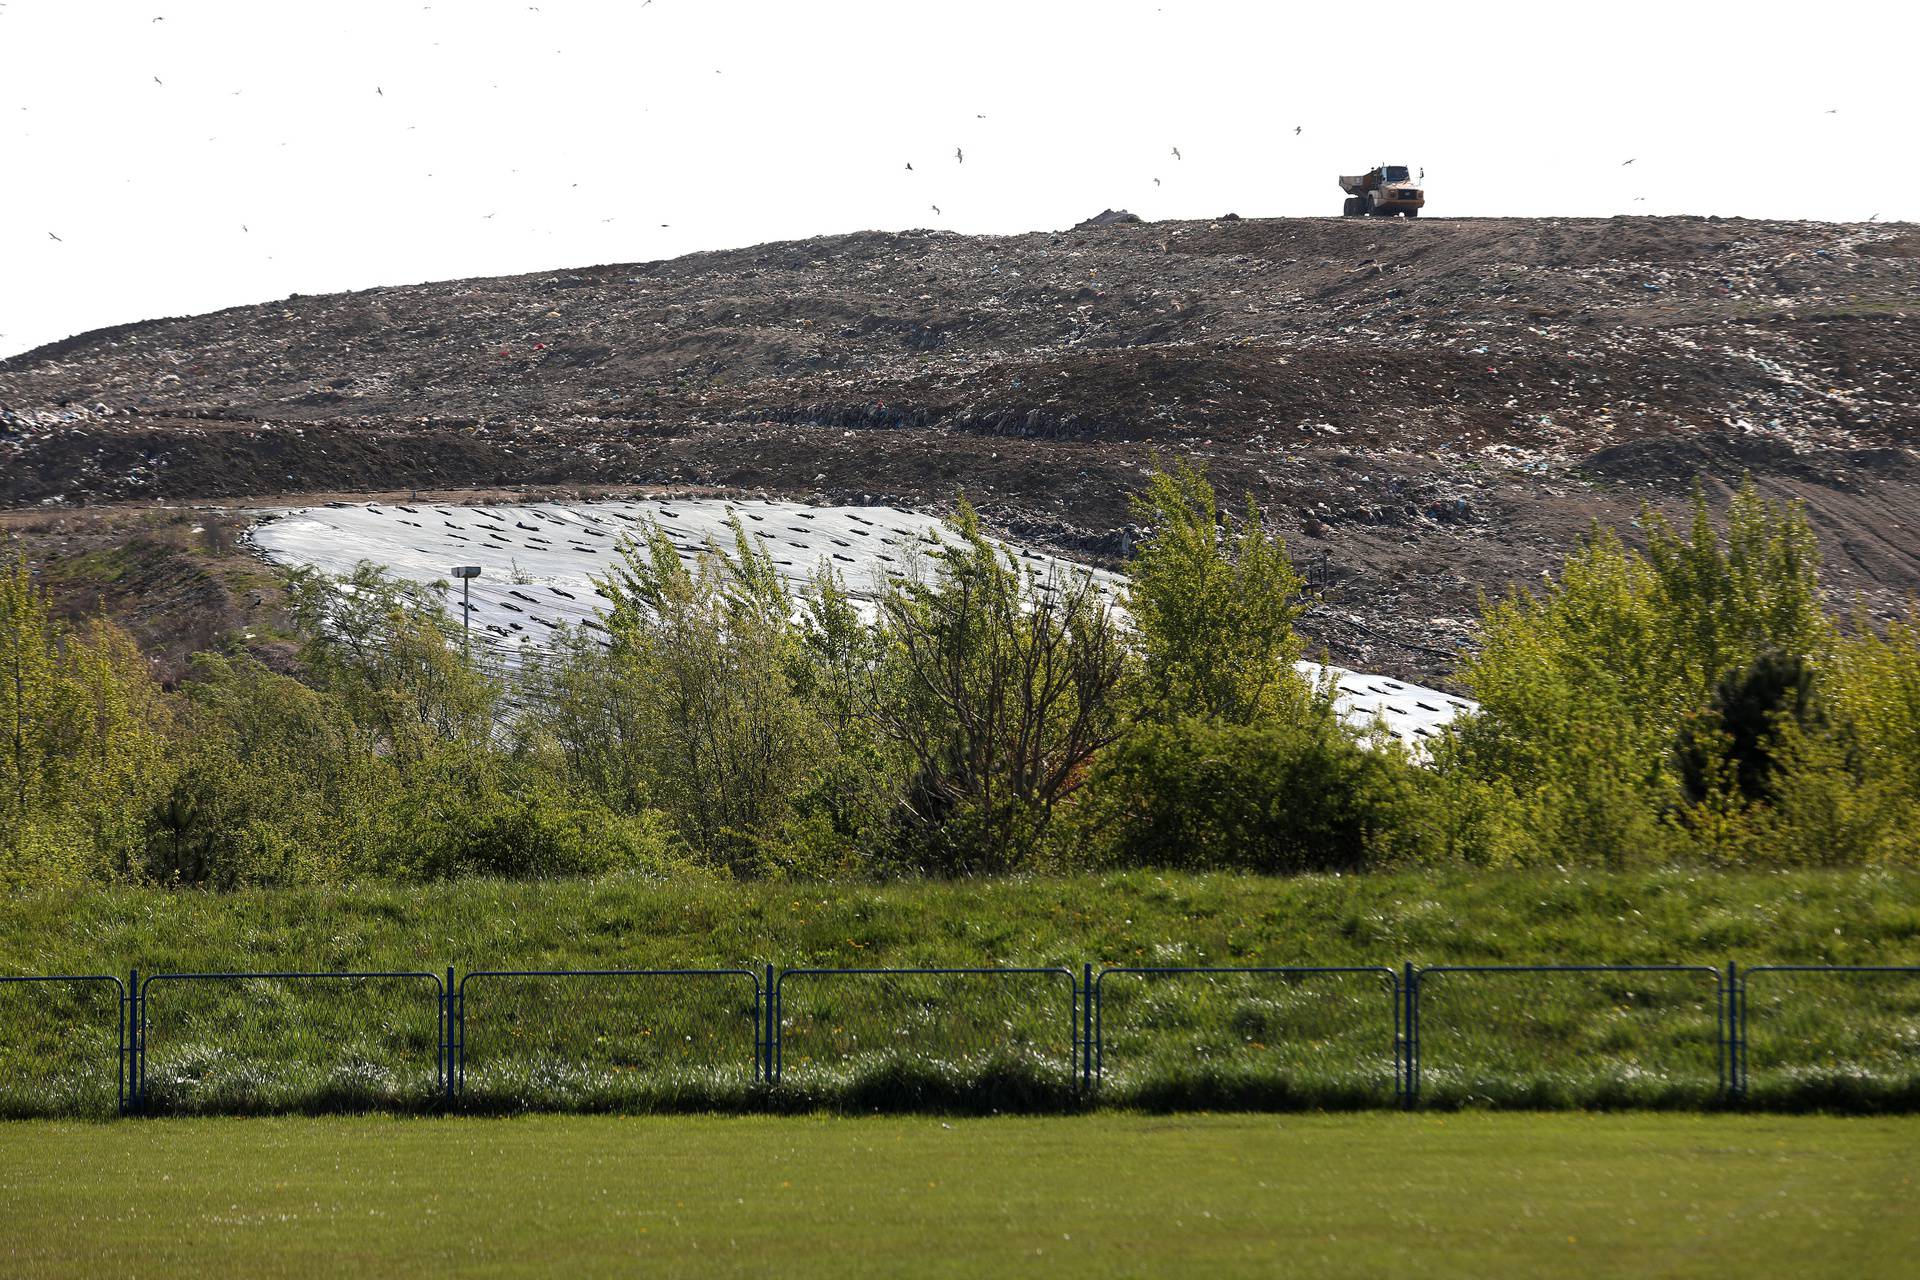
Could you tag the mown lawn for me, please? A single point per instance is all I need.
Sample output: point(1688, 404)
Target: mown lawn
point(1120, 1194)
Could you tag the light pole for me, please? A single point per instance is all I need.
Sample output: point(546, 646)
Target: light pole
point(466, 573)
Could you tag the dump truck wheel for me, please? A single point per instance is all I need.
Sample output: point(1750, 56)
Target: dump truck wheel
point(1350, 208)
point(1413, 213)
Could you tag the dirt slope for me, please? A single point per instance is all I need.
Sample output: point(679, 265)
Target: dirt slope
point(1431, 408)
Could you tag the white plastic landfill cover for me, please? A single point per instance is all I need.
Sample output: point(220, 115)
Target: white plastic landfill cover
point(538, 561)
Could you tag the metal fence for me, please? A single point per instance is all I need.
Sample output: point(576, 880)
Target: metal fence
point(1334, 1029)
point(1255, 1035)
point(843, 1025)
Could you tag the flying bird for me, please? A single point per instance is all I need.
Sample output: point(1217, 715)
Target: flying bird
point(934, 207)
point(485, 216)
point(909, 166)
point(1296, 131)
point(959, 156)
point(52, 236)
point(1156, 182)
point(382, 92)
point(1176, 153)
point(1625, 163)
point(157, 80)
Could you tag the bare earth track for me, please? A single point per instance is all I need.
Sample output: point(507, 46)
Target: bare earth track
point(1436, 407)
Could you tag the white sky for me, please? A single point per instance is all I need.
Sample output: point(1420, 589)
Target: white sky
point(582, 127)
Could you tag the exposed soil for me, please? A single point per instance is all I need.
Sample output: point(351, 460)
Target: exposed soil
point(1427, 409)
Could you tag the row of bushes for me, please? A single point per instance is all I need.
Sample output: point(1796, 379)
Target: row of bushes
point(1692, 701)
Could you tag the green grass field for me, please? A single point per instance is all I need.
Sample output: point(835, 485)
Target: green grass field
point(1119, 1194)
point(1003, 1043)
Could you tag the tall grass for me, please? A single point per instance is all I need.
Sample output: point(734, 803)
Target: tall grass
point(966, 1043)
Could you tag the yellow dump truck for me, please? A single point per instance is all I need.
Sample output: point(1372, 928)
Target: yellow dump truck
point(1382, 192)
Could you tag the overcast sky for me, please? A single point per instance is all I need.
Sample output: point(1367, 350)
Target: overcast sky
point(191, 156)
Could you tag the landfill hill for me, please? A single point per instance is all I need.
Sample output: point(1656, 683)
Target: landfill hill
point(1427, 409)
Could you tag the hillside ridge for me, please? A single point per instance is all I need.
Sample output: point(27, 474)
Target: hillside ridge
point(1427, 409)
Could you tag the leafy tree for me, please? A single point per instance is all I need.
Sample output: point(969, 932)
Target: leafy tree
point(710, 656)
point(1000, 688)
point(84, 729)
point(858, 788)
point(1733, 740)
point(389, 652)
point(276, 784)
point(1586, 686)
point(1213, 602)
point(1276, 796)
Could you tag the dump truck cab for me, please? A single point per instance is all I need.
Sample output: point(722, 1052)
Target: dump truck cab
point(1382, 192)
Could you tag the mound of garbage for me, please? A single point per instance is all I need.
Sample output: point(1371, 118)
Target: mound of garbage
point(1429, 410)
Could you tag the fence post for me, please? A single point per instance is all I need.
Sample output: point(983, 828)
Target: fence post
point(136, 1044)
point(1086, 1027)
point(446, 1012)
point(772, 1026)
point(1736, 1033)
point(1411, 993)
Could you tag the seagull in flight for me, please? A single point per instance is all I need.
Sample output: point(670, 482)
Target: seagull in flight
point(1156, 182)
point(162, 83)
point(1625, 163)
point(959, 156)
point(934, 207)
point(1176, 153)
point(909, 166)
point(1296, 131)
point(52, 236)
point(382, 92)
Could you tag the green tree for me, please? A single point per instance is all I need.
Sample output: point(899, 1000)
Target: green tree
point(84, 729)
point(276, 784)
point(1586, 686)
point(389, 652)
point(709, 656)
point(1213, 602)
point(1000, 687)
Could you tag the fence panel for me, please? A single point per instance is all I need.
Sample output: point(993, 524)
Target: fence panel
point(1818, 1035)
point(289, 1041)
point(1247, 1036)
point(62, 1045)
point(609, 1038)
point(983, 1036)
point(1559, 1035)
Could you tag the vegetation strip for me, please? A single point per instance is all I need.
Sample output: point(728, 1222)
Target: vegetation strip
point(1219, 1040)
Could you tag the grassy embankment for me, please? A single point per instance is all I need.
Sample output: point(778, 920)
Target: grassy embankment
point(1102, 1195)
point(975, 1043)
